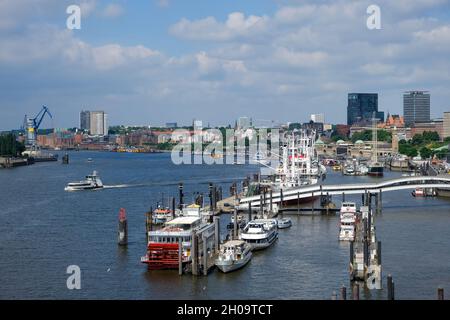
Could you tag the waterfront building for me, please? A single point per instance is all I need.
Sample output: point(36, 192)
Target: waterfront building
point(361, 108)
point(171, 125)
point(85, 120)
point(98, 123)
point(318, 118)
point(416, 107)
point(436, 125)
point(446, 125)
point(243, 123)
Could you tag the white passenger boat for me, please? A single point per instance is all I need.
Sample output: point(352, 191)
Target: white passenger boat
point(260, 233)
point(284, 223)
point(92, 182)
point(348, 207)
point(234, 254)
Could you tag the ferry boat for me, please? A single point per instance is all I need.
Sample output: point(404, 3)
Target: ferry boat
point(92, 182)
point(260, 233)
point(284, 223)
point(234, 254)
point(163, 244)
point(161, 215)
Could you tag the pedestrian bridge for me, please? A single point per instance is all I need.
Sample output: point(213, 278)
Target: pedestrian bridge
point(346, 189)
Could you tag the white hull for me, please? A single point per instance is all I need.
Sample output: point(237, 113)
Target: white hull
point(230, 265)
point(82, 188)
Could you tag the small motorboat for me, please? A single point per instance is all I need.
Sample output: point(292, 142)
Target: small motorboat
point(89, 160)
point(234, 254)
point(92, 182)
point(284, 223)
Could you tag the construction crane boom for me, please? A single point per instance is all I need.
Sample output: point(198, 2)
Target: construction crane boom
point(33, 124)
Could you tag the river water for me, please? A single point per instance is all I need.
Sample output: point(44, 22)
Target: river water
point(44, 229)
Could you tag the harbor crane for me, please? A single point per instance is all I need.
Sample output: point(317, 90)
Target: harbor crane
point(31, 125)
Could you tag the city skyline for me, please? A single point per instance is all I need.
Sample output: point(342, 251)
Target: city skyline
point(268, 59)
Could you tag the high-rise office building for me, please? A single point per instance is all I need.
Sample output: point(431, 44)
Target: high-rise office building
point(85, 120)
point(416, 107)
point(361, 108)
point(318, 118)
point(98, 123)
point(243, 123)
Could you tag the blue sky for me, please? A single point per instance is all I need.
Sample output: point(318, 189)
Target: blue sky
point(157, 61)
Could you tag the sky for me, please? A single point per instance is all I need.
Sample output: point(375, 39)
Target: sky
point(155, 61)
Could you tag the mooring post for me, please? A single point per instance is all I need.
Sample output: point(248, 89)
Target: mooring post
point(214, 198)
point(343, 293)
point(173, 207)
point(235, 228)
point(217, 233)
point(369, 226)
point(369, 201)
point(352, 252)
point(440, 293)
point(180, 257)
point(249, 211)
point(356, 291)
point(362, 198)
point(271, 201)
point(328, 203)
point(343, 196)
point(180, 189)
point(281, 200)
point(205, 256)
point(210, 188)
point(123, 228)
point(261, 208)
point(194, 253)
point(334, 296)
point(390, 288)
point(312, 203)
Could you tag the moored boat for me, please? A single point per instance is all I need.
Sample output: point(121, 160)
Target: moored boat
point(284, 223)
point(260, 233)
point(234, 254)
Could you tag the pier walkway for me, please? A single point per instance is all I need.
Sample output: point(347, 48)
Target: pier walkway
point(403, 183)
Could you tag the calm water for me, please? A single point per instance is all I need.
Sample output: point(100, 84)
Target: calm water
point(44, 229)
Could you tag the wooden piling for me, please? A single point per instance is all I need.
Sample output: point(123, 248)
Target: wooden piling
point(249, 211)
point(312, 203)
point(281, 200)
point(205, 256)
point(352, 251)
point(334, 296)
point(356, 291)
point(235, 227)
point(271, 201)
point(217, 233)
point(298, 202)
point(261, 208)
point(343, 196)
point(343, 293)
point(390, 288)
point(440, 293)
point(379, 252)
point(180, 189)
point(194, 253)
point(180, 257)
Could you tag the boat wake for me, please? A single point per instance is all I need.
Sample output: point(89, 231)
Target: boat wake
point(119, 186)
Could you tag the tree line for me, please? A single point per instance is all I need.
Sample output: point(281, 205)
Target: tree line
point(9, 146)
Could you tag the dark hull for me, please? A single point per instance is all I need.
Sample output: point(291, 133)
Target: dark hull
point(376, 171)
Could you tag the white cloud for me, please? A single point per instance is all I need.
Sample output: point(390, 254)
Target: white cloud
point(113, 10)
point(236, 26)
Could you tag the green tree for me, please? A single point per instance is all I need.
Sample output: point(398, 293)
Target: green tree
point(425, 153)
